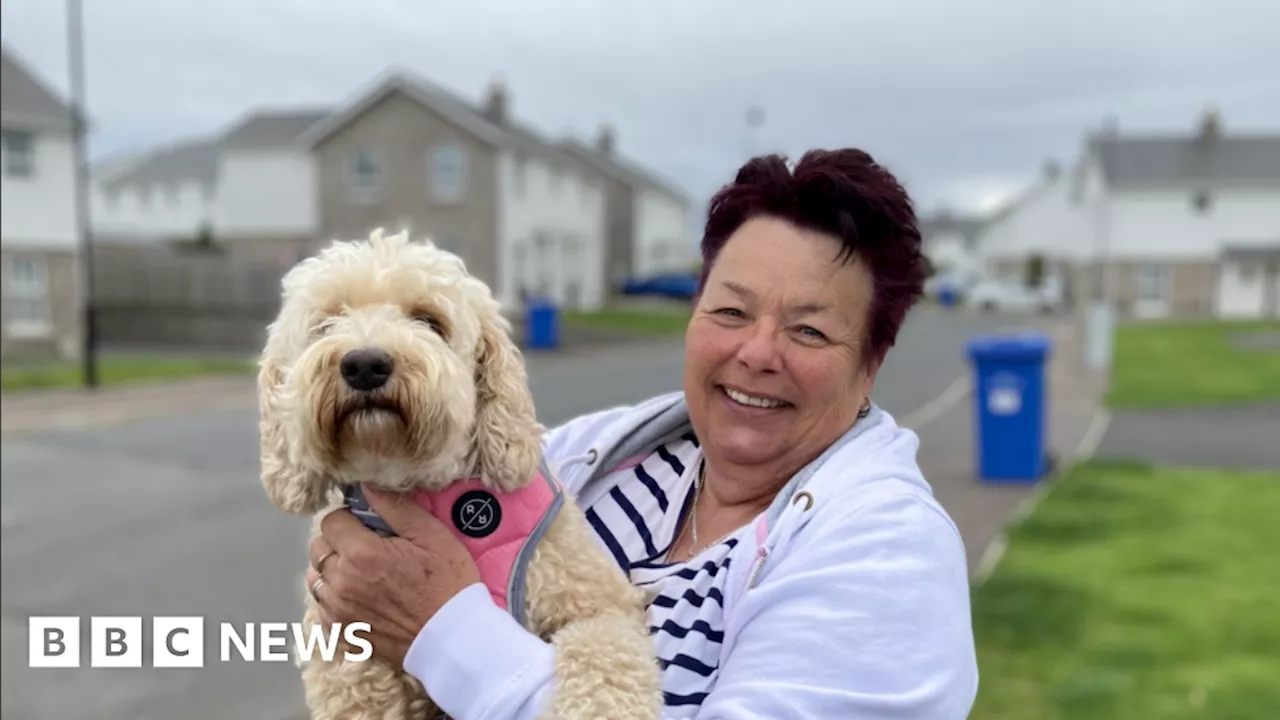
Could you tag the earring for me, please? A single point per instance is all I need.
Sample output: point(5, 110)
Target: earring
point(865, 410)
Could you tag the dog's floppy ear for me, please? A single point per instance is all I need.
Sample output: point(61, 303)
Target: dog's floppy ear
point(508, 439)
point(291, 488)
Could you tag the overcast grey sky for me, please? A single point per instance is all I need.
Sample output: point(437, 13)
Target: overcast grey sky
point(964, 100)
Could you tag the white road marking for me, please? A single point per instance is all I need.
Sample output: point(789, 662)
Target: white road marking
point(1093, 436)
point(937, 407)
point(990, 558)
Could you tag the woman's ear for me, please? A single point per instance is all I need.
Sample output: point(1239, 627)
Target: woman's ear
point(507, 443)
point(290, 487)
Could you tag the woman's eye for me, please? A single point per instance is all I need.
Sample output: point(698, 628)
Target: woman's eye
point(731, 312)
point(812, 333)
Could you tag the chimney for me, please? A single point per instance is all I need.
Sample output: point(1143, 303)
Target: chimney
point(1210, 124)
point(606, 139)
point(495, 107)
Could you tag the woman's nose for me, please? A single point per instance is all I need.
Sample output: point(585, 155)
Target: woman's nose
point(759, 350)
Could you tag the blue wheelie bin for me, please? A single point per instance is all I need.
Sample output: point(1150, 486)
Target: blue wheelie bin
point(1011, 406)
point(948, 296)
point(542, 324)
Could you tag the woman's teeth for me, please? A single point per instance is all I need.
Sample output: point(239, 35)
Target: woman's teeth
point(744, 399)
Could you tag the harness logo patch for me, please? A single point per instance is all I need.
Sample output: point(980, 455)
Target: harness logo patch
point(476, 513)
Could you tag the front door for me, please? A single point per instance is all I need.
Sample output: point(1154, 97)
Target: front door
point(1154, 291)
point(1242, 290)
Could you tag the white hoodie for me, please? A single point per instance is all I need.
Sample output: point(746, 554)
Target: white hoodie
point(854, 606)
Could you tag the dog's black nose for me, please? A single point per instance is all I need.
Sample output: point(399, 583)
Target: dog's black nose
point(366, 368)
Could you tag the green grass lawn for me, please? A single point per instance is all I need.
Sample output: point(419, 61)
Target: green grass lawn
point(118, 369)
point(653, 321)
point(1134, 592)
point(1167, 365)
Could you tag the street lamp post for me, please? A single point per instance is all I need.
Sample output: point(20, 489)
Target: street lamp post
point(75, 68)
point(1100, 321)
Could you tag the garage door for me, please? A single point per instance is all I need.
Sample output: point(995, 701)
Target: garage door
point(1242, 290)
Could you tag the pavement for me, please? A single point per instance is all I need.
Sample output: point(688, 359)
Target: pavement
point(1244, 437)
point(982, 510)
point(146, 502)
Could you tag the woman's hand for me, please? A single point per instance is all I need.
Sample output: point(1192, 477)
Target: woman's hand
point(396, 584)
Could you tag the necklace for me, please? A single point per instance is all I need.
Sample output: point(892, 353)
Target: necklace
point(693, 512)
point(692, 525)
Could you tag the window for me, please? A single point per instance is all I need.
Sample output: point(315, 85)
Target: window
point(1153, 281)
point(19, 154)
point(26, 303)
point(448, 173)
point(364, 175)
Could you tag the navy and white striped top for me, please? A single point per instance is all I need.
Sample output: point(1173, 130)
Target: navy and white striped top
point(637, 521)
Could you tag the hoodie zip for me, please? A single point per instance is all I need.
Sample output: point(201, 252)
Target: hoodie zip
point(761, 556)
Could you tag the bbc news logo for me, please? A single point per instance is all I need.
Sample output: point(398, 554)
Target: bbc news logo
point(178, 642)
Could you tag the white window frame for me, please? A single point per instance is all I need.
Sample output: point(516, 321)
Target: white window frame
point(447, 173)
point(1153, 283)
point(19, 150)
point(27, 287)
point(359, 188)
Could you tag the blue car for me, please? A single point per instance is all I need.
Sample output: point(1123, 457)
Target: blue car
point(681, 287)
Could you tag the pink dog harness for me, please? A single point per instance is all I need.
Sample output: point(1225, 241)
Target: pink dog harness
point(500, 530)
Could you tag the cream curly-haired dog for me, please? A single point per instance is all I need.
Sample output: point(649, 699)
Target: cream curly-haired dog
point(454, 403)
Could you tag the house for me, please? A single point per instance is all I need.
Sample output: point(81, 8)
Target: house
point(529, 215)
point(266, 200)
point(951, 244)
point(38, 232)
point(250, 187)
point(1185, 225)
point(1041, 221)
point(648, 216)
point(167, 193)
point(526, 216)
point(1175, 225)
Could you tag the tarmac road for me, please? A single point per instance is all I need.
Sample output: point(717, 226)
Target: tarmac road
point(166, 517)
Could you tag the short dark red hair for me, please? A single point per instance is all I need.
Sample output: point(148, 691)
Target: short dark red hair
point(842, 193)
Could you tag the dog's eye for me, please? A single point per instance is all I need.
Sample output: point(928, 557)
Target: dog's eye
point(322, 328)
point(436, 326)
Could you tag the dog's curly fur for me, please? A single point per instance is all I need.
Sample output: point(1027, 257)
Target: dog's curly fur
point(456, 405)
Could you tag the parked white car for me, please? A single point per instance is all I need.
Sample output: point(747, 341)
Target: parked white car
point(1014, 297)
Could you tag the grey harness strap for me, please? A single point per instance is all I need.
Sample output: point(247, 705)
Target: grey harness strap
point(517, 584)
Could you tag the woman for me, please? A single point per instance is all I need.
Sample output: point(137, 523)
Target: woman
point(800, 565)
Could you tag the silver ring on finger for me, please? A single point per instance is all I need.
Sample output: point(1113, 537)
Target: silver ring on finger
point(315, 588)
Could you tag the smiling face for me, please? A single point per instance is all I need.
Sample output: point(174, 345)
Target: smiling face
point(774, 367)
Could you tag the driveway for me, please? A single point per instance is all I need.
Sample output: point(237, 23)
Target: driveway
point(1237, 437)
point(166, 516)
